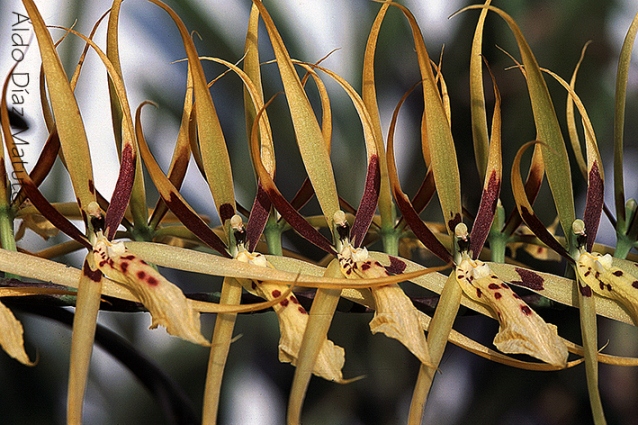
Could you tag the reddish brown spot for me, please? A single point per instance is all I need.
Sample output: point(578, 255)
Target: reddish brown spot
point(144, 262)
point(141, 275)
point(276, 293)
point(294, 299)
point(515, 295)
point(494, 286)
point(366, 266)
point(602, 286)
point(253, 285)
point(460, 276)
point(526, 310)
point(587, 273)
point(529, 279)
point(478, 292)
point(635, 284)
point(504, 286)
point(618, 273)
point(497, 295)
point(284, 303)
point(128, 257)
point(396, 266)
point(608, 287)
point(302, 310)
point(124, 266)
point(91, 186)
point(152, 281)
point(585, 290)
point(102, 263)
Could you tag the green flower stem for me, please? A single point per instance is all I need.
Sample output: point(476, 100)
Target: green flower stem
point(438, 334)
point(220, 346)
point(321, 313)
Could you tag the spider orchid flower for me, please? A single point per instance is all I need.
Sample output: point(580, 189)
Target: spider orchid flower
point(395, 315)
point(165, 301)
point(521, 330)
point(290, 313)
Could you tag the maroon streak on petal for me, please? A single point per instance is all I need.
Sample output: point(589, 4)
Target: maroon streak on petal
point(532, 187)
point(258, 217)
point(425, 193)
point(452, 222)
point(396, 266)
point(50, 213)
point(529, 279)
point(226, 211)
point(541, 233)
point(419, 228)
point(121, 193)
point(94, 275)
point(485, 215)
point(303, 195)
point(195, 224)
point(44, 164)
point(296, 220)
point(594, 204)
point(368, 204)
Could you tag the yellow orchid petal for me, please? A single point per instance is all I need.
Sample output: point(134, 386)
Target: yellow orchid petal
point(293, 319)
point(395, 316)
point(522, 330)
point(11, 339)
point(165, 301)
point(609, 281)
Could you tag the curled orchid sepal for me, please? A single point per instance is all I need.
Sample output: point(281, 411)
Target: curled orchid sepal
point(165, 301)
point(11, 339)
point(609, 281)
point(395, 315)
point(293, 319)
point(522, 330)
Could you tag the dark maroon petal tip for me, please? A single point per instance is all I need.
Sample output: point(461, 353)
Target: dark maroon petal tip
point(368, 205)
point(594, 204)
point(485, 215)
point(258, 217)
point(122, 192)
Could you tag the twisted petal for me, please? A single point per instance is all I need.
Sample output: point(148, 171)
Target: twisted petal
point(292, 324)
point(521, 330)
point(165, 301)
point(395, 315)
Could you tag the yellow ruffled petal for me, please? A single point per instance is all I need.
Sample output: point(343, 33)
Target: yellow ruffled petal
point(165, 301)
point(11, 339)
point(395, 316)
point(609, 281)
point(293, 319)
point(521, 330)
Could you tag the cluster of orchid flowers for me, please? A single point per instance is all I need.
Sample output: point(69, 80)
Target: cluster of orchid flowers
point(605, 285)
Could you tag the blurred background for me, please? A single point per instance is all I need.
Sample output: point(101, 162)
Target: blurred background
point(468, 389)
